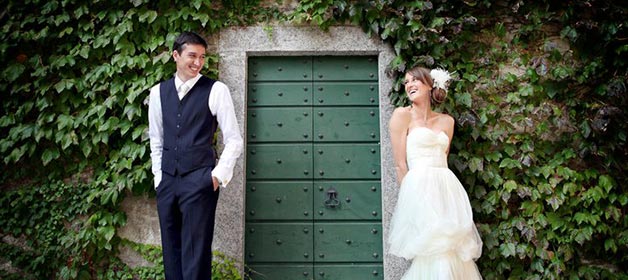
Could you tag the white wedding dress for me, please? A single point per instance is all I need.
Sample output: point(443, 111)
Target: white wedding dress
point(433, 223)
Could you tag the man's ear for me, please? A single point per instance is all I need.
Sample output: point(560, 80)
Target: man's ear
point(175, 55)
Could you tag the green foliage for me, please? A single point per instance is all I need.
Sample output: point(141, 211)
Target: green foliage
point(74, 123)
point(539, 99)
point(61, 234)
point(224, 267)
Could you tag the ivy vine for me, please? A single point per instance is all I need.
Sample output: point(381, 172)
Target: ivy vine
point(539, 100)
point(74, 123)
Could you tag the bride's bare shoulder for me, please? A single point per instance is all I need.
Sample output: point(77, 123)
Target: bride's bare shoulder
point(401, 112)
point(400, 117)
point(445, 122)
point(443, 117)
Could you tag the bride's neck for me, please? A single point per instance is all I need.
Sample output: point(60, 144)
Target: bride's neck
point(421, 111)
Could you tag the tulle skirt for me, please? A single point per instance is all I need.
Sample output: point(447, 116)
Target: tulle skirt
point(433, 226)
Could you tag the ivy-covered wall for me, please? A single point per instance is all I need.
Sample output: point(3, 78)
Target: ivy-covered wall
point(539, 98)
point(73, 126)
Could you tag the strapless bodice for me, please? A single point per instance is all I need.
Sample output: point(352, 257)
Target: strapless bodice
point(424, 147)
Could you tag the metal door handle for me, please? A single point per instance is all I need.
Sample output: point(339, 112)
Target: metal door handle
point(331, 200)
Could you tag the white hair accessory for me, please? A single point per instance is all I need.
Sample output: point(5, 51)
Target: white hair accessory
point(440, 77)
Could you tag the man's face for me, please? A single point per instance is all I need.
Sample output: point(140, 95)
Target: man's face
point(190, 61)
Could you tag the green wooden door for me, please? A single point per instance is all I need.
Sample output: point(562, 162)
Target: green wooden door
point(313, 191)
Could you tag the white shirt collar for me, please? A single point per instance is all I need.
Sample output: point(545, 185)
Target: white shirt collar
point(191, 82)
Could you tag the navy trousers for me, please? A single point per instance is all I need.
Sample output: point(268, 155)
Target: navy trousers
point(187, 207)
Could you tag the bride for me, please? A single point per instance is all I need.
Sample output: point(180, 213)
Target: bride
point(432, 224)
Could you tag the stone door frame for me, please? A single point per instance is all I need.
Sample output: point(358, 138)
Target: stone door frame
point(235, 46)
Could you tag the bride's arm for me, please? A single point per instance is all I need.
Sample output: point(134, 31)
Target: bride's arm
point(448, 128)
point(398, 126)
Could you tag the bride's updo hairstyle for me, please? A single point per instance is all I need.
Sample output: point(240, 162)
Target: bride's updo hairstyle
point(436, 79)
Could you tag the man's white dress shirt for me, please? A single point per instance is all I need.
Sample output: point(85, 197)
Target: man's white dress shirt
point(220, 106)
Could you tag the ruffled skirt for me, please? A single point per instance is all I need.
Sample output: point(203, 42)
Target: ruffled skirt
point(433, 226)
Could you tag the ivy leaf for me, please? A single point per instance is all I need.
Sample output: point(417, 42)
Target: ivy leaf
point(60, 19)
point(493, 156)
point(415, 25)
point(15, 155)
point(510, 186)
point(437, 22)
point(119, 218)
point(67, 30)
point(398, 46)
point(593, 194)
point(387, 31)
point(125, 126)
point(614, 213)
point(561, 72)
point(49, 155)
point(13, 71)
point(507, 249)
point(7, 120)
point(556, 221)
point(67, 140)
point(197, 4)
point(109, 124)
point(510, 163)
point(609, 245)
point(100, 137)
point(546, 171)
point(5, 144)
point(42, 133)
point(476, 164)
point(470, 77)
point(565, 172)
point(86, 147)
point(555, 201)
point(398, 63)
point(84, 52)
point(526, 90)
point(510, 150)
point(163, 57)
point(64, 121)
point(137, 3)
point(531, 208)
point(464, 98)
point(142, 151)
point(606, 183)
point(68, 273)
point(202, 18)
point(582, 235)
point(138, 131)
point(62, 85)
point(570, 188)
point(148, 16)
point(589, 218)
point(106, 198)
point(109, 232)
point(569, 33)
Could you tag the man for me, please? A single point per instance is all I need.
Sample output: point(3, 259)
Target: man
point(183, 115)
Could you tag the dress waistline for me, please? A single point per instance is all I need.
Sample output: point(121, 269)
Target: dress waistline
point(439, 162)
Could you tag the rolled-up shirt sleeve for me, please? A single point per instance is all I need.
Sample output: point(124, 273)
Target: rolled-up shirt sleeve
point(221, 106)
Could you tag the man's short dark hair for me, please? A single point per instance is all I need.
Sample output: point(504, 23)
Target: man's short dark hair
point(188, 38)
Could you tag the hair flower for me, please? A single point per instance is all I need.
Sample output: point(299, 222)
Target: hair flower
point(440, 77)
